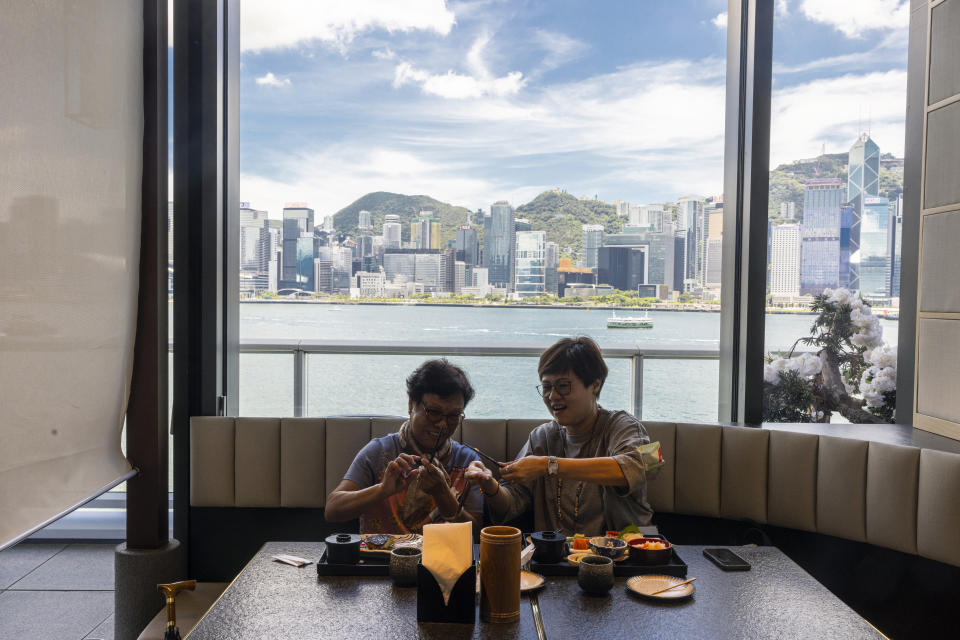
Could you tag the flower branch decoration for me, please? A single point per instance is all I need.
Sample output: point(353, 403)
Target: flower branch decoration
point(851, 370)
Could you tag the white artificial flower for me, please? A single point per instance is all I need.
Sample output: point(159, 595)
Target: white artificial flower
point(792, 364)
point(873, 399)
point(771, 375)
point(828, 293)
point(882, 356)
point(840, 296)
point(810, 364)
point(818, 415)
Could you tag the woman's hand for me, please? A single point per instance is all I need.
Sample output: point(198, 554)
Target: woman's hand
point(525, 469)
point(481, 475)
point(398, 474)
point(432, 480)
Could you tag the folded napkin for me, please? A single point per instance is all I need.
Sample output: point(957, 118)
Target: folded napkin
point(447, 553)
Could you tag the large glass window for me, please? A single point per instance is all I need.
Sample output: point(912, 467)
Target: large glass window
point(476, 173)
point(835, 211)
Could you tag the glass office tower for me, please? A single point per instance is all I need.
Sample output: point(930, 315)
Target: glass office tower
point(530, 269)
point(820, 267)
point(297, 270)
point(875, 249)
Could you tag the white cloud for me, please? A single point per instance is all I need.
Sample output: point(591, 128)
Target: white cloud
point(720, 21)
point(271, 80)
point(645, 132)
point(855, 17)
point(384, 54)
point(457, 85)
point(559, 47)
point(781, 8)
point(268, 24)
point(829, 111)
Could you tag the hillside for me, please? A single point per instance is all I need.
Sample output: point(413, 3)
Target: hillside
point(562, 216)
point(381, 203)
point(786, 181)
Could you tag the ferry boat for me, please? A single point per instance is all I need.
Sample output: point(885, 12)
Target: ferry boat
point(629, 322)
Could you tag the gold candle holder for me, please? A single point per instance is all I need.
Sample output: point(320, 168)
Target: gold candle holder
point(500, 574)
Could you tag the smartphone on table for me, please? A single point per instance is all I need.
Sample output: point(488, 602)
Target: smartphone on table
point(726, 559)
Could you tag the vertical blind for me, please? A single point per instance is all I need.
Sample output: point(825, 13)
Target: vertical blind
point(70, 171)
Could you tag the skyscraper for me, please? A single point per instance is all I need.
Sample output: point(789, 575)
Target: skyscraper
point(863, 181)
point(530, 270)
point(820, 266)
point(785, 260)
point(498, 244)
point(251, 223)
point(364, 220)
point(297, 270)
point(468, 243)
point(551, 260)
point(391, 231)
point(592, 241)
point(896, 235)
point(875, 249)
point(690, 220)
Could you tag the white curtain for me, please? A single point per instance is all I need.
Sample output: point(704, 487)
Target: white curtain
point(70, 169)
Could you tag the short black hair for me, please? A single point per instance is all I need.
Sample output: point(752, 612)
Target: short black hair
point(439, 377)
point(581, 355)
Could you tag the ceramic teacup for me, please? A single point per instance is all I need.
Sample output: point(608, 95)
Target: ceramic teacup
point(403, 566)
point(595, 575)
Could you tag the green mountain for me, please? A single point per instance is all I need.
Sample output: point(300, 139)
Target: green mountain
point(562, 216)
point(786, 181)
point(381, 203)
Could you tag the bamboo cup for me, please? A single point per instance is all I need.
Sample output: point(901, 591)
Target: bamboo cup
point(500, 574)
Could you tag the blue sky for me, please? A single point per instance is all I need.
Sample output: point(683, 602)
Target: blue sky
point(477, 101)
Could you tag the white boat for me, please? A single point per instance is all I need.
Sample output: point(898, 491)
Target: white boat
point(629, 322)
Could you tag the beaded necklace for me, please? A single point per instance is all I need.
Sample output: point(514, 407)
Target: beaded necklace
point(576, 506)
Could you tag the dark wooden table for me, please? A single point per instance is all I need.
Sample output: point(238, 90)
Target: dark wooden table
point(776, 599)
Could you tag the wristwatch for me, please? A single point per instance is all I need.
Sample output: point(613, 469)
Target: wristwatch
point(553, 467)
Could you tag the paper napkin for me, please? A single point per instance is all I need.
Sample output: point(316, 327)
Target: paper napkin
point(447, 553)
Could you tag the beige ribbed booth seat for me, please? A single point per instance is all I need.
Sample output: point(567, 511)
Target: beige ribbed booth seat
point(899, 497)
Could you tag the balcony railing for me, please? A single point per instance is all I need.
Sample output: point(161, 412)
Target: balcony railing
point(299, 349)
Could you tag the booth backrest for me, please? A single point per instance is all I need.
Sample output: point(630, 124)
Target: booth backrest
point(899, 497)
point(295, 462)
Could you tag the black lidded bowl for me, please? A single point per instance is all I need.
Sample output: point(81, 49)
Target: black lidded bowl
point(549, 546)
point(343, 548)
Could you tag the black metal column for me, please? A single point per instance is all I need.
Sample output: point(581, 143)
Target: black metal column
point(204, 192)
point(746, 186)
point(147, 501)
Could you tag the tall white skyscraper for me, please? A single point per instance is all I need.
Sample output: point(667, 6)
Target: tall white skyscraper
point(531, 272)
point(391, 231)
point(251, 222)
point(785, 260)
point(592, 241)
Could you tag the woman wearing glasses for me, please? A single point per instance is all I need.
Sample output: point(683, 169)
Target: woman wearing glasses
point(582, 472)
point(407, 479)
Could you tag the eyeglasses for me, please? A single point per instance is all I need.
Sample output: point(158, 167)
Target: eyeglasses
point(562, 388)
point(452, 419)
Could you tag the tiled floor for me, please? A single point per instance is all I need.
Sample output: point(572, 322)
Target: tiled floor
point(56, 592)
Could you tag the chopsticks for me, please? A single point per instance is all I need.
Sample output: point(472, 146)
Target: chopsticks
point(486, 456)
point(679, 584)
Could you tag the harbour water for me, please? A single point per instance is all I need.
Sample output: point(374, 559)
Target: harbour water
point(505, 386)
